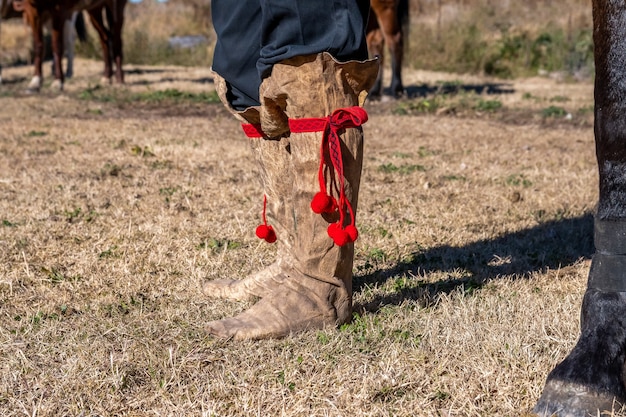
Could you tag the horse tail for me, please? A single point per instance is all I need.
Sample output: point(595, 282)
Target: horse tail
point(81, 28)
point(404, 21)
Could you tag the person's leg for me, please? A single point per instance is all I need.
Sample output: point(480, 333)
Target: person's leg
point(293, 28)
point(237, 50)
point(313, 287)
point(310, 285)
point(237, 81)
point(253, 35)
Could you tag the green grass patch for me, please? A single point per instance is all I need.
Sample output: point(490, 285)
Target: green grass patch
point(171, 95)
point(426, 105)
point(553, 111)
point(451, 100)
point(218, 245)
point(488, 105)
point(423, 152)
point(401, 169)
point(517, 180)
point(109, 253)
point(559, 99)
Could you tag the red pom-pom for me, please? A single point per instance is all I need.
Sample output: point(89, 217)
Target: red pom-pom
point(352, 232)
point(271, 236)
point(262, 231)
point(266, 233)
point(322, 203)
point(338, 235)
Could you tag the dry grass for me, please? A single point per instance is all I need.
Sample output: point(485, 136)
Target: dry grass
point(470, 269)
point(15, 42)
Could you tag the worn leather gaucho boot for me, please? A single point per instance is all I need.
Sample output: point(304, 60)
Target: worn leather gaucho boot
point(309, 145)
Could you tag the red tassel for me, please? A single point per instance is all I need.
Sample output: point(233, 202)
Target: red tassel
point(337, 234)
point(266, 233)
point(352, 232)
point(263, 231)
point(323, 203)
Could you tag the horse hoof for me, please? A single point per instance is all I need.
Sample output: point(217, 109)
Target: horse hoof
point(565, 399)
point(57, 85)
point(35, 85)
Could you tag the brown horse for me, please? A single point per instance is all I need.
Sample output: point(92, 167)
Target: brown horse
point(58, 11)
point(74, 26)
point(387, 23)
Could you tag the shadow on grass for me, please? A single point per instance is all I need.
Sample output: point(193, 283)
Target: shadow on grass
point(143, 71)
point(15, 81)
point(550, 245)
point(455, 88)
point(425, 90)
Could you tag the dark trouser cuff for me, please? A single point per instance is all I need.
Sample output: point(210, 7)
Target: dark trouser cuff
point(608, 266)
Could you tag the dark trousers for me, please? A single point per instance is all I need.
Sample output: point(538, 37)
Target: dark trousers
point(253, 35)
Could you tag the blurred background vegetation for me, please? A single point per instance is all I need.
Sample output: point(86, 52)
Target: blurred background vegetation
point(500, 38)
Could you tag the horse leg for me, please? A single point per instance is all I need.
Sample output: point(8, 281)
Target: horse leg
point(32, 17)
point(48, 26)
point(95, 15)
point(393, 38)
point(590, 379)
point(116, 23)
point(58, 21)
point(376, 47)
point(397, 50)
point(69, 39)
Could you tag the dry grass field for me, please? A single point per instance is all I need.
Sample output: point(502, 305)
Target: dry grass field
point(116, 202)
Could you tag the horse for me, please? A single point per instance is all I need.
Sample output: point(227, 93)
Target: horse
point(592, 378)
point(73, 27)
point(388, 23)
point(7, 12)
point(37, 11)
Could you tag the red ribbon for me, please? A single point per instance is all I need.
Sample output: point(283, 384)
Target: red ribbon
point(252, 130)
point(332, 126)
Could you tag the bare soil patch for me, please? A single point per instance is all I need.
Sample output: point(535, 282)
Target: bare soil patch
point(475, 240)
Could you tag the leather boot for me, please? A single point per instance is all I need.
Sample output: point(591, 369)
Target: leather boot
point(310, 285)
